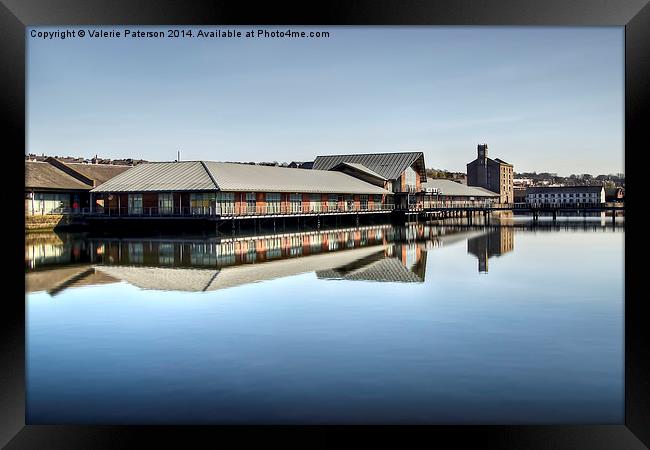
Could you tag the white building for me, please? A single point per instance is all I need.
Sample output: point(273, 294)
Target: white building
point(565, 195)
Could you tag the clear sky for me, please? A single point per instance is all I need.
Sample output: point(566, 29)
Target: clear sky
point(544, 99)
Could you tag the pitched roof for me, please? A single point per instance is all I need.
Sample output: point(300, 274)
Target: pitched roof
point(43, 175)
point(388, 269)
point(360, 168)
point(448, 187)
point(213, 176)
point(161, 176)
point(388, 165)
point(100, 173)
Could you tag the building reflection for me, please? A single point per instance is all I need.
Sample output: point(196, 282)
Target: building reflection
point(380, 253)
point(494, 243)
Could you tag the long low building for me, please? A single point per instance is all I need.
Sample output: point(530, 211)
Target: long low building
point(55, 187)
point(210, 188)
point(565, 195)
point(437, 193)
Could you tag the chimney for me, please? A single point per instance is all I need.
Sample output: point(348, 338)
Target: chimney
point(482, 152)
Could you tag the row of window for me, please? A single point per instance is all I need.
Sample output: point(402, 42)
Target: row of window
point(563, 195)
point(203, 202)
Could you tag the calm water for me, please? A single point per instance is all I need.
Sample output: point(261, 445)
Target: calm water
point(378, 324)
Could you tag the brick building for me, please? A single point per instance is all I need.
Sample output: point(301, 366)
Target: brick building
point(493, 174)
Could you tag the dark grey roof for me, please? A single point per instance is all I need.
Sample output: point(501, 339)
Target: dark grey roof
point(388, 165)
point(360, 168)
point(569, 189)
point(490, 161)
point(386, 269)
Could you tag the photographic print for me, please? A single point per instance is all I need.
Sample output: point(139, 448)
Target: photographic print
point(324, 225)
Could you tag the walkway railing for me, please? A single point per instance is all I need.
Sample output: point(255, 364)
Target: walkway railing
point(236, 210)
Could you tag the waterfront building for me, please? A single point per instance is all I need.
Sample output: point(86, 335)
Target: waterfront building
point(437, 192)
point(208, 188)
point(565, 195)
point(401, 173)
point(55, 187)
point(493, 174)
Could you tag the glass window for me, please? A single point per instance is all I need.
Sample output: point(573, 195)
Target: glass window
point(410, 178)
point(364, 202)
point(273, 202)
point(332, 202)
point(296, 202)
point(165, 203)
point(135, 203)
point(225, 202)
point(202, 203)
point(51, 203)
point(314, 202)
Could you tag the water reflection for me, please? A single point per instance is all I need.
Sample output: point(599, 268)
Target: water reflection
point(376, 324)
point(387, 253)
point(493, 243)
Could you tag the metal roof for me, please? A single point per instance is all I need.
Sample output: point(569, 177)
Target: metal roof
point(388, 165)
point(361, 168)
point(161, 176)
point(247, 177)
point(448, 187)
point(184, 279)
point(43, 175)
point(388, 269)
point(213, 176)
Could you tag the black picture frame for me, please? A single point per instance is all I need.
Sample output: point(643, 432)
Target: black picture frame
point(16, 15)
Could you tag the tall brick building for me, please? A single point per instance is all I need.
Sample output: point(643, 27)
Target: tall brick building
point(493, 174)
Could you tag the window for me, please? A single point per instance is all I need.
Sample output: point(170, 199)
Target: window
point(250, 202)
point(272, 203)
point(225, 202)
point(314, 203)
point(165, 203)
point(135, 203)
point(295, 203)
point(50, 203)
point(410, 179)
point(349, 202)
point(376, 199)
point(364, 202)
point(202, 203)
point(332, 202)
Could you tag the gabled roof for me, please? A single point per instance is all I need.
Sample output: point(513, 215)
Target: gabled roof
point(100, 173)
point(448, 187)
point(229, 177)
point(161, 176)
point(388, 165)
point(54, 174)
point(360, 168)
point(43, 175)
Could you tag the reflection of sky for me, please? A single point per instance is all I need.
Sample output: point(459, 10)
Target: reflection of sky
point(539, 340)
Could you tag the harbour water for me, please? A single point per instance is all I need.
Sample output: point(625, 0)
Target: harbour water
point(430, 323)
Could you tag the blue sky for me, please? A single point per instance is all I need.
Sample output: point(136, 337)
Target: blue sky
point(544, 99)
